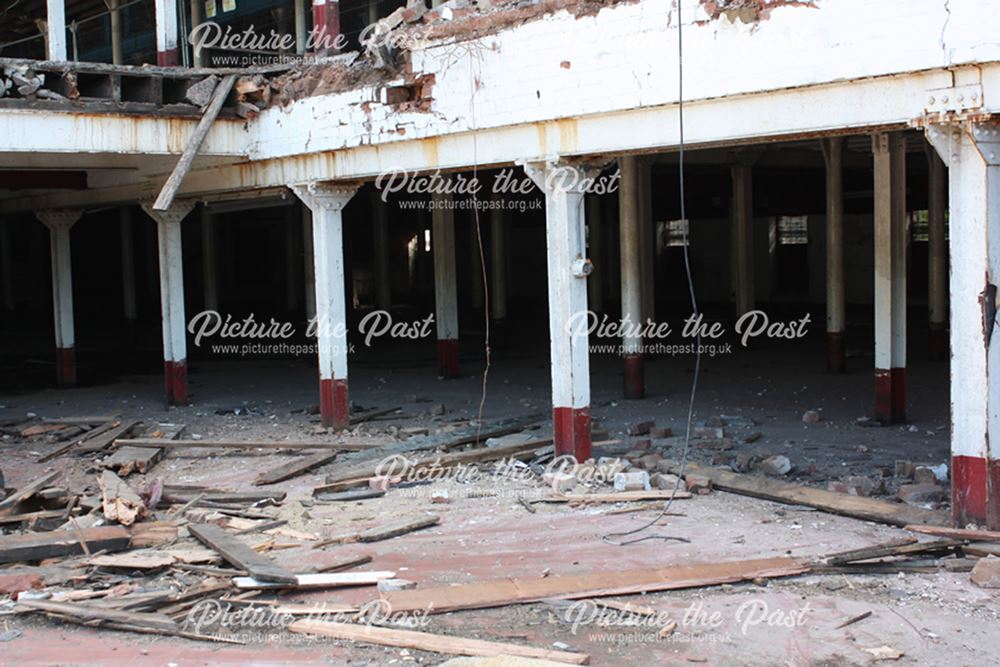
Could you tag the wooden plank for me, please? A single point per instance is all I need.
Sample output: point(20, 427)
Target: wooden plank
point(239, 554)
point(221, 496)
point(104, 440)
point(901, 548)
point(27, 491)
point(62, 449)
point(371, 414)
point(317, 580)
point(85, 420)
point(859, 507)
point(119, 502)
point(623, 497)
point(501, 592)
point(93, 613)
point(127, 460)
point(169, 191)
point(425, 641)
point(379, 533)
point(294, 468)
point(344, 564)
point(347, 445)
point(956, 533)
point(478, 455)
point(51, 544)
point(152, 533)
point(34, 516)
point(348, 496)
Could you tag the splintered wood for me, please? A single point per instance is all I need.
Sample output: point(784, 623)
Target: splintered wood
point(119, 501)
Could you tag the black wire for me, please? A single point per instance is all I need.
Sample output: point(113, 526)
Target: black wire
point(694, 309)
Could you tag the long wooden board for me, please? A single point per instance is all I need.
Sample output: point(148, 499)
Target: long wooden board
point(294, 468)
point(94, 613)
point(425, 641)
point(622, 497)
point(957, 533)
point(858, 507)
point(244, 444)
point(36, 546)
point(239, 554)
point(500, 592)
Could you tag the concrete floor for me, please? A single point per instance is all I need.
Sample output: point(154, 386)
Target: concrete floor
point(932, 618)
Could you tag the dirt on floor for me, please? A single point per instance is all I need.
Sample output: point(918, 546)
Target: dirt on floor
point(491, 526)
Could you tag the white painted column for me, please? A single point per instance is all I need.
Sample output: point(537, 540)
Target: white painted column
point(59, 224)
point(445, 284)
point(327, 202)
point(167, 53)
point(55, 36)
point(631, 276)
point(128, 264)
point(937, 260)
point(595, 246)
point(836, 312)
point(972, 155)
point(380, 250)
point(301, 29)
point(7, 266)
point(171, 262)
point(308, 263)
point(209, 268)
point(890, 276)
point(742, 235)
point(498, 269)
point(565, 239)
point(196, 18)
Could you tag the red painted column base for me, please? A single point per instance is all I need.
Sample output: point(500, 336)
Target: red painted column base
point(890, 395)
point(334, 410)
point(66, 366)
point(635, 377)
point(168, 58)
point(937, 342)
point(975, 491)
point(175, 382)
point(571, 432)
point(447, 356)
point(836, 353)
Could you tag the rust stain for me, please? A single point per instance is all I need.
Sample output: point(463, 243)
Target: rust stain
point(430, 150)
point(568, 138)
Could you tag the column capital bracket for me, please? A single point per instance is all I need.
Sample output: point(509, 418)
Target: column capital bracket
point(946, 138)
point(59, 218)
point(325, 195)
point(566, 175)
point(177, 211)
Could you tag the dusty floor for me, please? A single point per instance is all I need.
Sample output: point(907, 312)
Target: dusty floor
point(938, 618)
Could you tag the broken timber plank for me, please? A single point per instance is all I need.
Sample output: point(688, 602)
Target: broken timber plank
point(622, 497)
point(239, 554)
point(317, 580)
point(294, 468)
point(27, 491)
point(956, 533)
point(92, 613)
point(371, 414)
point(858, 507)
point(127, 460)
point(36, 546)
point(425, 641)
point(902, 548)
point(170, 494)
point(62, 449)
point(100, 442)
point(119, 502)
point(173, 184)
point(380, 533)
point(502, 592)
point(347, 496)
point(85, 420)
point(478, 455)
point(239, 444)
